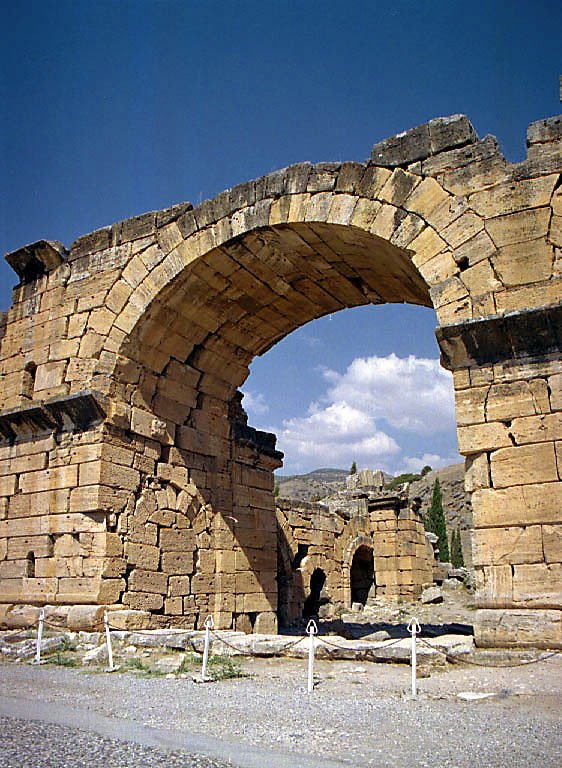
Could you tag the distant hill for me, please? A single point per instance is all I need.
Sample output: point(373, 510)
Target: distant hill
point(312, 486)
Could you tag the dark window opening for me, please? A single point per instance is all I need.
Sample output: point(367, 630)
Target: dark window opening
point(30, 565)
point(299, 557)
point(315, 599)
point(28, 383)
point(362, 575)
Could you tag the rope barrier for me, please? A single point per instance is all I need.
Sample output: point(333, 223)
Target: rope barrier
point(460, 660)
point(244, 652)
point(322, 639)
point(41, 622)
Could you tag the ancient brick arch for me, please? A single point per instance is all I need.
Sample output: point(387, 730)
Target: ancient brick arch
point(139, 337)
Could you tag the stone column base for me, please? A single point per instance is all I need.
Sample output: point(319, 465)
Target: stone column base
point(502, 628)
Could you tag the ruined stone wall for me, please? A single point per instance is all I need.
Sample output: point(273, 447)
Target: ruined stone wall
point(312, 536)
point(152, 324)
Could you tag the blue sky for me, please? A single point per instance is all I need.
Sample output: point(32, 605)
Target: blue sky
point(112, 108)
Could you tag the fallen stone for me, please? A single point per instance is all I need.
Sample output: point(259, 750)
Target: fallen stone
point(453, 584)
point(50, 645)
point(377, 636)
point(130, 620)
point(169, 664)
point(19, 616)
point(85, 618)
point(432, 595)
point(95, 656)
point(474, 695)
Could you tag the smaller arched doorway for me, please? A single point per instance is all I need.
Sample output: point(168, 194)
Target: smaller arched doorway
point(315, 599)
point(362, 575)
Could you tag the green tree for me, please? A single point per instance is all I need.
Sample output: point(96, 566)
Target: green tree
point(425, 470)
point(277, 490)
point(457, 557)
point(435, 522)
point(353, 470)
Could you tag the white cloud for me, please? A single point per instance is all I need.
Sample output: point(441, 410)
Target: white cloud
point(331, 435)
point(411, 395)
point(254, 404)
point(417, 463)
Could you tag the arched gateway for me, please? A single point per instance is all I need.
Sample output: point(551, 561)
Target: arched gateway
point(127, 468)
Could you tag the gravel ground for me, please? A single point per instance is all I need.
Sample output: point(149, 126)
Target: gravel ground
point(357, 715)
point(32, 744)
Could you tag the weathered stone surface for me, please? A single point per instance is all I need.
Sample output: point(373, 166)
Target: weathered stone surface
point(518, 628)
point(526, 333)
point(32, 261)
point(420, 143)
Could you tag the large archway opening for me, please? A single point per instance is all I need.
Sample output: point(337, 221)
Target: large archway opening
point(181, 367)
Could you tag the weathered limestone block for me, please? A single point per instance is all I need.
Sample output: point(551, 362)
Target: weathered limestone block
point(519, 227)
point(518, 398)
point(530, 504)
point(109, 474)
point(143, 601)
point(524, 263)
point(538, 585)
point(177, 540)
point(523, 465)
point(482, 437)
point(534, 429)
point(129, 620)
point(85, 618)
point(477, 472)
point(148, 581)
point(500, 546)
point(518, 628)
point(177, 563)
point(510, 197)
point(552, 543)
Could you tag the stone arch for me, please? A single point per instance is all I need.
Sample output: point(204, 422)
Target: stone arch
point(144, 330)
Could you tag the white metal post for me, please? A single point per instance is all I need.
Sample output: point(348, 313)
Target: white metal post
point(39, 636)
point(110, 666)
point(209, 624)
point(414, 629)
point(311, 630)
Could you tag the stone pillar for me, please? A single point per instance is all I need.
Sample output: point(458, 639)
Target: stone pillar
point(508, 389)
point(254, 530)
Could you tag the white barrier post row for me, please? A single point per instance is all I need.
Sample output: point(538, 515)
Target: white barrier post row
point(39, 636)
point(414, 629)
point(110, 666)
point(209, 624)
point(311, 630)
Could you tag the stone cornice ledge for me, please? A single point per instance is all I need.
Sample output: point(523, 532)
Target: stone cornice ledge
point(77, 411)
point(526, 334)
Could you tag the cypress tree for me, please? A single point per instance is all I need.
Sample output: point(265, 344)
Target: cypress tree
point(353, 470)
point(435, 522)
point(457, 557)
